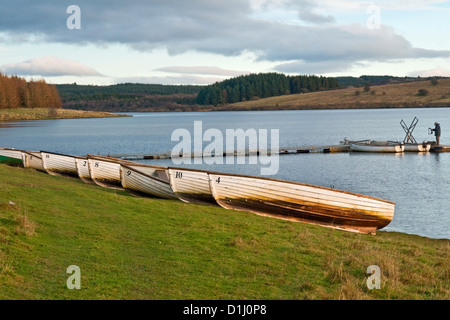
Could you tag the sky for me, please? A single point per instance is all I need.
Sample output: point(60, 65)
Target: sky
point(203, 41)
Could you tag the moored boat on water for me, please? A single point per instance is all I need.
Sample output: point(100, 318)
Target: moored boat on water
point(417, 147)
point(191, 185)
point(377, 146)
point(145, 180)
point(58, 164)
point(33, 159)
point(301, 202)
point(11, 156)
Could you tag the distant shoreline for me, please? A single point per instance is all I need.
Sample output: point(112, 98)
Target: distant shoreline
point(23, 114)
point(417, 94)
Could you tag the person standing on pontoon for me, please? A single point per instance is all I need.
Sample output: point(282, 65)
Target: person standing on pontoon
point(437, 131)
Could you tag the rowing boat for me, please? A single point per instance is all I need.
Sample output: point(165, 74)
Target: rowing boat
point(59, 164)
point(139, 180)
point(191, 185)
point(105, 171)
point(377, 146)
point(82, 165)
point(301, 202)
point(417, 147)
point(158, 172)
point(11, 156)
point(33, 159)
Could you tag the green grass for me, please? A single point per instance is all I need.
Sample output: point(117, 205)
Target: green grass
point(142, 248)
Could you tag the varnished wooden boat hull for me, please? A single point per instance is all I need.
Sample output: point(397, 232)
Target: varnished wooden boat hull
point(105, 171)
point(82, 165)
point(301, 202)
point(139, 183)
point(191, 186)
point(59, 164)
point(11, 156)
point(32, 159)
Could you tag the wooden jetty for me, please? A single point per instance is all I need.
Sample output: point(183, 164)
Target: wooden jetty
point(282, 151)
point(440, 148)
point(285, 150)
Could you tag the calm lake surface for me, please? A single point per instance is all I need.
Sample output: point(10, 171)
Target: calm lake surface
point(419, 183)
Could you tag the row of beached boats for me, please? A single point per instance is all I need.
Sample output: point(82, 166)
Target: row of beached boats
point(264, 196)
point(387, 146)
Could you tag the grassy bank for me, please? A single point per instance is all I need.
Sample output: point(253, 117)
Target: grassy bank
point(384, 96)
point(49, 113)
point(135, 248)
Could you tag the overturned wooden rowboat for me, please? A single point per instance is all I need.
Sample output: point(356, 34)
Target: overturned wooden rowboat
point(301, 202)
point(377, 146)
point(191, 185)
point(58, 164)
point(11, 156)
point(33, 159)
point(144, 180)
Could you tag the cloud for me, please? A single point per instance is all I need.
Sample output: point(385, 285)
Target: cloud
point(49, 66)
point(202, 70)
point(227, 28)
point(436, 72)
point(176, 80)
point(320, 67)
point(307, 12)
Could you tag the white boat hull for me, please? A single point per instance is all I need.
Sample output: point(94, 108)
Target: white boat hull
point(11, 156)
point(301, 202)
point(139, 183)
point(59, 164)
point(157, 172)
point(105, 171)
point(33, 160)
point(191, 186)
point(417, 147)
point(82, 164)
point(379, 147)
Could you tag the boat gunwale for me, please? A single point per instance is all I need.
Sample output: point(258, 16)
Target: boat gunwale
point(137, 164)
point(30, 154)
point(305, 184)
point(10, 149)
point(251, 193)
point(108, 159)
point(57, 154)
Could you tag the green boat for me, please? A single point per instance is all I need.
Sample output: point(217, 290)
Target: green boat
point(11, 156)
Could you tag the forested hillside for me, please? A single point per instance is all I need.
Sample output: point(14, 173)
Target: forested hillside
point(74, 92)
point(263, 85)
point(129, 97)
point(138, 97)
point(16, 92)
point(377, 80)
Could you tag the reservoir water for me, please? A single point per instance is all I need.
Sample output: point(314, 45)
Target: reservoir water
point(419, 183)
